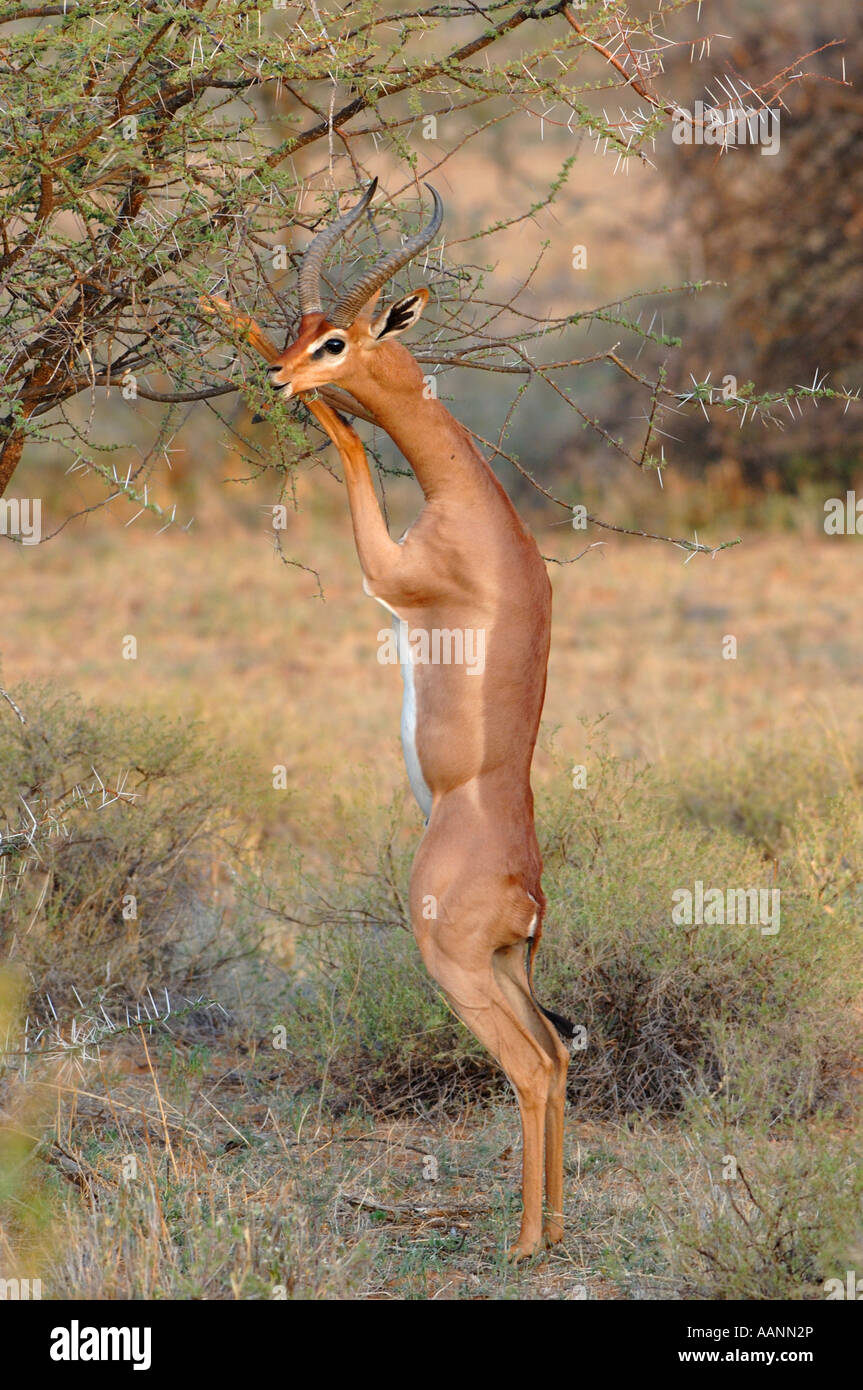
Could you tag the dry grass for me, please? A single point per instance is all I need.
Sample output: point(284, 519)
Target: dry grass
point(220, 1185)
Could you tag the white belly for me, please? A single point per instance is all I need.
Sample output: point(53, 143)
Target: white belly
point(418, 783)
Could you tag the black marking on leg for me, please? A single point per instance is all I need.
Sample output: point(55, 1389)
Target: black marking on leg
point(563, 1025)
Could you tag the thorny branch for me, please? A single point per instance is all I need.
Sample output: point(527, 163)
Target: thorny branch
point(151, 169)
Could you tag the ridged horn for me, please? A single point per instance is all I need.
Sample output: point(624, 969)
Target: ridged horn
point(309, 283)
point(359, 294)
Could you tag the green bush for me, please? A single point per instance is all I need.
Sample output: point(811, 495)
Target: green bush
point(111, 827)
point(763, 1023)
point(766, 1218)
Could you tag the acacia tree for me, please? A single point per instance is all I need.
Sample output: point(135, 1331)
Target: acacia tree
point(165, 151)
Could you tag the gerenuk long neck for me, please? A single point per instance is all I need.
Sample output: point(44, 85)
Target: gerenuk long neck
point(440, 451)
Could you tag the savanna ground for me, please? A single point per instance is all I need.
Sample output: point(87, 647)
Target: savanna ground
point(311, 1120)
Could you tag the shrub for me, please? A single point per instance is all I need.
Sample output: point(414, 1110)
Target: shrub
point(112, 825)
point(760, 1219)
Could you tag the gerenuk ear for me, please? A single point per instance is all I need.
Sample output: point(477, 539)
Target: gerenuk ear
point(399, 316)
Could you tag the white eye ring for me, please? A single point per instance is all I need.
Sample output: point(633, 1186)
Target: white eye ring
point(332, 347)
